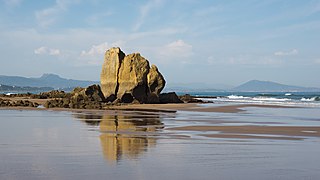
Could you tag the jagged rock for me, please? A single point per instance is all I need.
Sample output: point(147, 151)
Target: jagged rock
point(130, 78)
point(156, 84)
point(56, 103)
point(80, 98)
point(5, 103)
point(87, 98)
point(187, 98)
point(50, 94)
point(24, 103)
point(156, 81)
point(133, 78)
point(110, 72)
point(91, 93)
point(170, 97)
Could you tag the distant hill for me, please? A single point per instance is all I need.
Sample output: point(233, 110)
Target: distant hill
point(18, 89)
point(46, 80)
point(268, 86)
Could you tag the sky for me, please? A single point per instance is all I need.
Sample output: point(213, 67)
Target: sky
point(191, 41)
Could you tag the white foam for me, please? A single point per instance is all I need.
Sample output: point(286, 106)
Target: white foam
point(237, 97)
point(271, 99)
point(309, 99)
point(287, 94)
point(286, 101)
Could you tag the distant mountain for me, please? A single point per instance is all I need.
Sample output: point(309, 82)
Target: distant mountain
point(46, 80)
point(19, 89)
point(268, 86)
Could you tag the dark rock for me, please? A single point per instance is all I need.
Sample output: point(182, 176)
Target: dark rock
point(187, 98)
point(153, 98)
point(170, 97)
point(80, 98)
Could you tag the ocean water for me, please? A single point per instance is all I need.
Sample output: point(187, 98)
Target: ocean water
point(276, 98)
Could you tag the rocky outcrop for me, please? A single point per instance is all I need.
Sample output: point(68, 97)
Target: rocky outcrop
point(129, 78)
point(50, 94)
point(16, 103)
point(132, 79)
point(170, 97)
point(187, 98)
point(110, 72)
point(80, 98)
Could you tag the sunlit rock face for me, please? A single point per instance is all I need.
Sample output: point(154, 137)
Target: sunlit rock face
point(129, 78)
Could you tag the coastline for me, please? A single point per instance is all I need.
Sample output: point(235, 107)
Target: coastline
point(194, 107)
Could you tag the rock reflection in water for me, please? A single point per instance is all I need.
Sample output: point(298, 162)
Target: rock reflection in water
point(124, 136)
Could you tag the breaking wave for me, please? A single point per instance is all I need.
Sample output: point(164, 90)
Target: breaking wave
point(316, 98)
point(296, 99)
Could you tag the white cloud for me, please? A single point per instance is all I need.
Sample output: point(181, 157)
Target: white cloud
point(144, 12)
point(286, 53)
point(54, 52)
point(49, 16)
point(99, 49)
point(40, 50)
point(178, 48)
point(178, 51)
point(47, 51)
point(96, 50)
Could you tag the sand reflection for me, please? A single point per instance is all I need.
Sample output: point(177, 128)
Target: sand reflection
point(124, 136)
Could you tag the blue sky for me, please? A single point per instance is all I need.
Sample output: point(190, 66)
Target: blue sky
point(216, 42)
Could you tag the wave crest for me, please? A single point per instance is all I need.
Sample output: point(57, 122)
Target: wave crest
point(315, 98)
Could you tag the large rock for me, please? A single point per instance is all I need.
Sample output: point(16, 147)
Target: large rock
point(110, 73)
point(130, 78)
point(88, 98)
point(133, 78)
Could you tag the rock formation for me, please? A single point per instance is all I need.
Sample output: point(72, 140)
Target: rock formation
point(15, 103)
point(80, 98)
point(170, 97)
point(130, 78)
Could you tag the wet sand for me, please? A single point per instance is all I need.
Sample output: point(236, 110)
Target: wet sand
point(166, 141)
point(224, 131)
point(242, 131)
point(195, 107)
point(241, 136)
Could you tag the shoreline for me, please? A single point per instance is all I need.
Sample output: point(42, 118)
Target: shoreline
point(166, 108)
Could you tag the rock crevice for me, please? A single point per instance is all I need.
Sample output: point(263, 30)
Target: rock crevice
point(129, 78)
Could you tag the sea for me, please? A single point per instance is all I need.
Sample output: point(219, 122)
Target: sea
point(309, 99)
